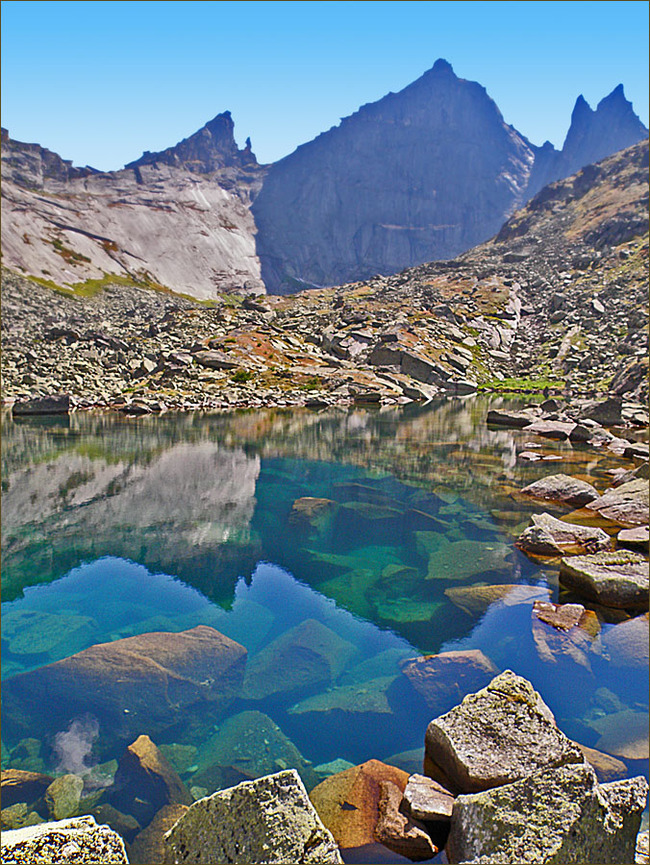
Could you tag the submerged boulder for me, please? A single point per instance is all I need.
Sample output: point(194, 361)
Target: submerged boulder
point(614, 579)
point(443, 680)
point(142, 682)
point(20, 786)
point(557, 815)
point(305, 655)
point(78, 840)
point(270, 820)
point(500, 734)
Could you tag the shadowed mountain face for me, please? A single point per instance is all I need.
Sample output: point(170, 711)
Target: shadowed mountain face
point(420, 175)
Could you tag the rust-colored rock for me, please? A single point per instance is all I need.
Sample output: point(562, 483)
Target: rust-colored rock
point(401, 834)
point(348, 802)
point(148, 846)
point(145, 782)
point(142, 682)
point(20, 786)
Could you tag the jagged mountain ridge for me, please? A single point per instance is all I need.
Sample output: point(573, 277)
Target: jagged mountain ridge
point(419, 175)
point(559, 295)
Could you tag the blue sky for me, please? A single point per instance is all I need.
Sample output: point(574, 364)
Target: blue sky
point(99, 82)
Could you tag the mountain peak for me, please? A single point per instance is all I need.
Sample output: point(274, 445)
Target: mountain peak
point(442, 67)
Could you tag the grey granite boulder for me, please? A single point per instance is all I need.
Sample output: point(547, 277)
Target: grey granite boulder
point(615, 579)
point(556, 816)
point(563, 489)
point(548, 536)
point(502, 733)
point(626, 505)
point(78, 840)
point(56, 404)
point(270, 820)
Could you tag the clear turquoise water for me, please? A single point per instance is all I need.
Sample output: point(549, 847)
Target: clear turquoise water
point(114, 527)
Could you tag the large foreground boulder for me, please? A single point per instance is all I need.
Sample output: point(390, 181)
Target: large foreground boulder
point(562, 489)
point(614, 579)
point(502, 733)
point(78, 840)
point(556, 816)
point(146, 682)
point(264, 821)
point(548, 536)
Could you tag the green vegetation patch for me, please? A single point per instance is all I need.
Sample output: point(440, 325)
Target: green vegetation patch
point(518, 385)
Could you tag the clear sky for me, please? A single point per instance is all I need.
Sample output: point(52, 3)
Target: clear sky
point(99, 82)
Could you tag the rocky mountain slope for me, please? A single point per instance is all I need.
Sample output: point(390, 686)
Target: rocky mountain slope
point(558, 299)
point(419, 175)
point(422, 174)
point(179, 218)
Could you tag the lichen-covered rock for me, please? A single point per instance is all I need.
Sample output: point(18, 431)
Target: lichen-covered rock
point(303, 656)
point(348, 802)
point(63, 796)
point(563, 489)
point(78, 841)
point(554, 816)
point(148, 846)
point(614, 579)
point(626, 505)
point(496, 736)
point(401, 834)
point(548, 536)
point(270, 820)
point(443, 680)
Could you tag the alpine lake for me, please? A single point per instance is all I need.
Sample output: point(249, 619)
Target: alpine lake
point(377, 534)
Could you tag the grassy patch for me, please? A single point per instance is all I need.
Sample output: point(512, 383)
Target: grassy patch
point(526, 385)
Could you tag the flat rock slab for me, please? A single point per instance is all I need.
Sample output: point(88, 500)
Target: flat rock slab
point(561, 815)
point(57, 404)
point(614, 579)
point(215, 360)
point(552, 429)
point(269, 820)
point(562, 489)
point(637, 538)
point(626, 505)
point(79, 840)
point(548, 536)
point(510, 419)
point(460, 560)
point(443, 680)
point(475, 600)
point(502, 733)
point(428, 800)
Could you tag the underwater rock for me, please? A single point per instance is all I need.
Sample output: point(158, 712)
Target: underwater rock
point(548, 536)
point(270, 820)
point(180, 757)
point(361, 698)
point(145, 782)
point(348, 803)
point(460, 560)
point(443, 680)
point(565, 632)
point(305, 655)
point(125, 825)
point(63, 795)
point(78, 840)
point(18, 785)
point(614, 579)
point(606, 767)
point(557, 815)
point(148, 846)
point(247, 746)
point(309, 511)
point(428, 800)
point(400, 833)
point(474, 600)
point(324, 770)
point(624, 734)
point(160, 676)
point(500, 734)
point(32, 632)
point(627, 643)
point(18, 815)
point(562, 489)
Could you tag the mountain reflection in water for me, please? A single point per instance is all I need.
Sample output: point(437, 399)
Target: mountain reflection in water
point(378, 526)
